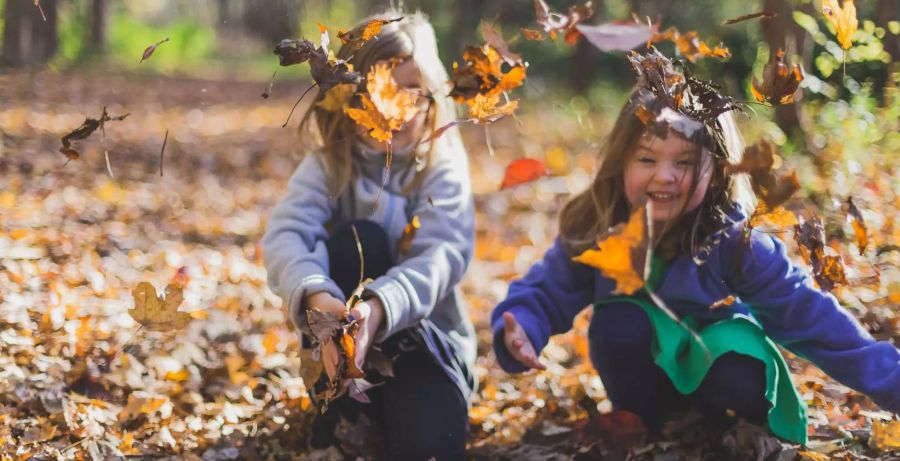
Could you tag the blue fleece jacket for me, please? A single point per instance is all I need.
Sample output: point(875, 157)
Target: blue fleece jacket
point(780, 295)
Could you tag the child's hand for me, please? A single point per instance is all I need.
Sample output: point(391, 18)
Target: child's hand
point(370, 314)
point(324, 302)
point(518, 344)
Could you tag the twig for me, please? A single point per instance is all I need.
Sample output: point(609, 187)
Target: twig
point(362, 259)
point(161, 152)
point(296, 103)
point(487, 137)
point(37, 3)
point(108, 166)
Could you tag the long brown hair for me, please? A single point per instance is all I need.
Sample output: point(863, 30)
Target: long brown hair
point(591, 213)
point(413, 37)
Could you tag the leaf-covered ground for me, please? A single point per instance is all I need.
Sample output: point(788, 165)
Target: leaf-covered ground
point(80, 380)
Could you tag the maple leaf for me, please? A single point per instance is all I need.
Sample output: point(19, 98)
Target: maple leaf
point(554, 23)
point(618, 36)
point(523, 170)
point(621, 255)
point(482, 73)
point(88, 127)
point(363, 33)
point(158, 313)
point(404, 243)
point(150, 49)
point(780, 82)
point(337, 97)
point(386, 107)
point(827, 270)
point(843, 18)
point(859, 226)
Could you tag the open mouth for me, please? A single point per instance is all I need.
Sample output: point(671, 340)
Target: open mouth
point(663, 197)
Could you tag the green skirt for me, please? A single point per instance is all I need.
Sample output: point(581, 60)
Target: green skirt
point(686, 361)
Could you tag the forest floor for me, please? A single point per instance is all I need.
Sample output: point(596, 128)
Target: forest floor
point(80, 380)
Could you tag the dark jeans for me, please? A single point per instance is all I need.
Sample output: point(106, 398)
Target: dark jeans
point(422, 411)
point(620, 335)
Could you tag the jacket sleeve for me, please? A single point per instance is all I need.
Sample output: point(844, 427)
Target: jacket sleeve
point(812, 324)
point(544, 302)
point(439, 253)
point(294, 243)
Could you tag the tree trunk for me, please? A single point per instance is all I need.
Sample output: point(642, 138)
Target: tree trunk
point(886, 11)
point(97, 38)
point(44, 37)
point(271, 20)
point(13, 21)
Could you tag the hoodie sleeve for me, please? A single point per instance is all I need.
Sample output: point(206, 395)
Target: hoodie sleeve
point(544, 302)
point(439, 253)
point(812, 324)
point(294, 243)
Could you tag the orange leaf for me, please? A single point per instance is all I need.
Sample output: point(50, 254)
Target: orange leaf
point(363, 33)
point(349, 347)
point(409, 233)
point(158, 313)
point(522, 171)
point(780, 82)
point(859, 226)
point(727, 301)
point(534, 35)
point(886, 435)
point(485, 110)
point(621, 255)
point(843, 18)
point(482, 73)
point(690, 46)
point(386, 108)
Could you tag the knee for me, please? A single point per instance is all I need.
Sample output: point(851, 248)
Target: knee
point(621, 331)
point(735, 386)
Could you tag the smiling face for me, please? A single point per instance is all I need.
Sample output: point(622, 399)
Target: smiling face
point(661, 171)
point(407, 76)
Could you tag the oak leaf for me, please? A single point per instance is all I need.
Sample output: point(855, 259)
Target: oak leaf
point(843, 18)
point(158, 313)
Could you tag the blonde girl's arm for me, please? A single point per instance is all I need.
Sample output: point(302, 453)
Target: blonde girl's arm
point(439, 253)
point(294, 243)
point(812, 323)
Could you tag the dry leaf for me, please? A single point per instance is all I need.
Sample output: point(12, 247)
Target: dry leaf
point(726, 301)
point(523, 170)
point(496, 40)
point(759, 161)
point(534, 35)
point(859, 226)
point(618, 36)
point(150, 49)
point(409, 233)
point(886, 435)
point(386, 108)
point(482, 73)
point(337, 97)
point(780, 82)
point(554, 23)
point(690, 46)
point(362, 34)
point(843, 18)
point(621, 255)
point(158, 313)
point(323, 325)
point(88, 127)
point(746, 17)
point(827, 270)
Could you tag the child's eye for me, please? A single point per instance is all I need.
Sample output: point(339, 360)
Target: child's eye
point(686, 163)
point(646, 160)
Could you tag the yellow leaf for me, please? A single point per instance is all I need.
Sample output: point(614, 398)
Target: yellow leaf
point(484, 108)
point(337, 97)
point(843, 18)
point(386, 107)
point(157, 313)
point(620, 255)
point(409, 233)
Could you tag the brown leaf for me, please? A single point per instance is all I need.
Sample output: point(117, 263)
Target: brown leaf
point(323, 325)
point(554, 23)
point(780, 82)
point(150, 49)
point(747, 17)
point(88, 127)
point(690, 46)
point(827, 270)
point(324, 71)
point(496, 40)
point(533, 35)
point(363, 33)
point(158, 313)
point(523, 170)
point(859, 226)
point(758, 161)
point(482, 73)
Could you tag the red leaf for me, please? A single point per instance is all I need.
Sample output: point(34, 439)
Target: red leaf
point(522, 171)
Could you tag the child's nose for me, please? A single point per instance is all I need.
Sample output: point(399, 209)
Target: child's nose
point(665, 173)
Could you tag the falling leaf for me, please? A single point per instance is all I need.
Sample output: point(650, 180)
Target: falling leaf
point(324, 40)
point(534, 35)
point(780, 82)
point(88, 127)
point(325, 72)
point(758, 161)
point(496, 40)
point(162, 152)
point(265, 94)
point(859, 226)
point(843, 18)
point(727, 301)
point(158, 313)
point(689, 45)
point(338, 97)
point(779, 217)
point(150, 49)
point(359, 36)
point(482, 73)
point(404, 244)
point(523, 170)
point(747, 17)
point(621, 255)
point(827, 270)
point(386, 108)
point(554, 23)
point(618, 36)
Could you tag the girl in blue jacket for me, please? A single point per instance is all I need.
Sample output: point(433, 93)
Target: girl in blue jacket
point(413, 310)
point(650, 364)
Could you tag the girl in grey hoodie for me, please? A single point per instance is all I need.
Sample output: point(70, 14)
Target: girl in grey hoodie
point(413, 310)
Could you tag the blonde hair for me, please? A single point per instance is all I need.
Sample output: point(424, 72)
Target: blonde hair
point(412, 36)
point(591, 213)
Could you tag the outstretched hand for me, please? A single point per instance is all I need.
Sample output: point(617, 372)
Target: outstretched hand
point(517, 343)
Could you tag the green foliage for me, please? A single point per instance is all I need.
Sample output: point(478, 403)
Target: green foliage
point(189, 42)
